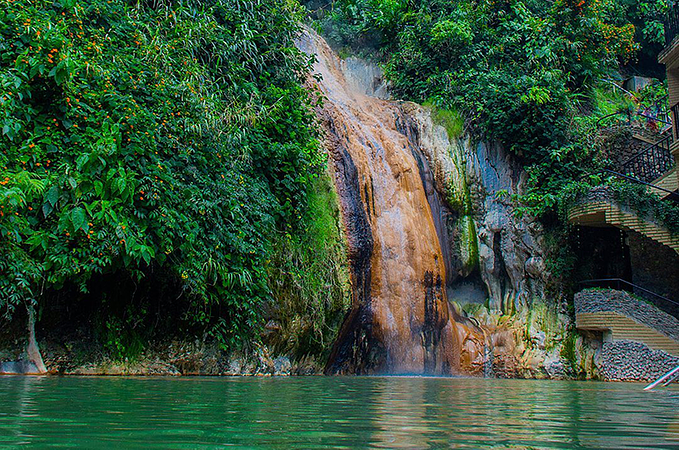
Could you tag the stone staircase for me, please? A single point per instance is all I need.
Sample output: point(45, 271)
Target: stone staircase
point(605, 212)
point(624, 318)
point(653, 165)
point(624, 328)
point(668, 182)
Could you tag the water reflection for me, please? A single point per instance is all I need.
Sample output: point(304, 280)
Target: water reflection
point(339, 412)
point(23, 399)
point(400, 415)
point(419, 413)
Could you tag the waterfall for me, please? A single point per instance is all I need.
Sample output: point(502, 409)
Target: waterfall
point(400, 321)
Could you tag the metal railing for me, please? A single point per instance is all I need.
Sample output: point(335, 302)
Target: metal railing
point(661, 118)
point(657, 113)
point(671, 195)
point(650, 163)
point(624, 285)
point(657, 116)
point(666, 379)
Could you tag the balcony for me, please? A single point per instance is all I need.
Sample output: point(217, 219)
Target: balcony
point(627, 317)
point(599, 208)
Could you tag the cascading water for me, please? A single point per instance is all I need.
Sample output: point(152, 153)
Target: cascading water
point(400, 321)
point(464, 241)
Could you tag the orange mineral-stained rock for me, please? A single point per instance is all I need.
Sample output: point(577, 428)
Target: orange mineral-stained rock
point(400, 321)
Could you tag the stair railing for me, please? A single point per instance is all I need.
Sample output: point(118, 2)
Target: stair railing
point(671, 195)
point(650, 163)
point(663, 117)
point(665, 379)
point(620, 284)
point(675, 115)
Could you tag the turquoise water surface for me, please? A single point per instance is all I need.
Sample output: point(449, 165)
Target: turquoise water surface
point(336, 412)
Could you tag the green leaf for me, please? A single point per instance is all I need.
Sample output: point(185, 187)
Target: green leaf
point(78, 218)
point(52, 195)
point(60, 72)
point(47, 209)
point(120, 184)
point(145, 254)
point(33, 71)
point(82, 160)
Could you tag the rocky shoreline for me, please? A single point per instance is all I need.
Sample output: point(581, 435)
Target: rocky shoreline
point(174, 358)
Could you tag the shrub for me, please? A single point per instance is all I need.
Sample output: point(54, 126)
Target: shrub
point(152, 136)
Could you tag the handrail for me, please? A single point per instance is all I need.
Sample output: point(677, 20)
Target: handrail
point(649, 148)
point(620, 280)
point(631, 113)
point(660, 105)
point(598, 122)
point(615, 85)
point(673, 194)
point(665, 379)
point(655, 119)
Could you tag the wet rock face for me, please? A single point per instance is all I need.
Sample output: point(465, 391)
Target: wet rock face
point(477, 181)
point(354, 353)
point(431, 226)
point(400, 320)
point(364, 77)
point(492, 254)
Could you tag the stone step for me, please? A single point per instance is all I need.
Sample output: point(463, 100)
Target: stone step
point(625, 328)
point(669, 181)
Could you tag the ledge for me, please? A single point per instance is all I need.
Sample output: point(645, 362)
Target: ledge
point(669, 54)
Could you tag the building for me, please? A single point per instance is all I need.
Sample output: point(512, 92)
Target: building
point(629, 256)
point(670, 58)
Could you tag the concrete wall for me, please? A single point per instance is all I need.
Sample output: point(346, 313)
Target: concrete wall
point(656, 268)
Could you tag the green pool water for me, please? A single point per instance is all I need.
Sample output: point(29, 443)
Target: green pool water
point(337, 412)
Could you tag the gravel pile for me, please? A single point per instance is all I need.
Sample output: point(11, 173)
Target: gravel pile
point(634, 361)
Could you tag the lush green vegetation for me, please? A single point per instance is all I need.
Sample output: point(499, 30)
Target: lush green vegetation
point(164, 139)
point(532, 75)
point(311, 288)
point(515, 68)
point(159, 157)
